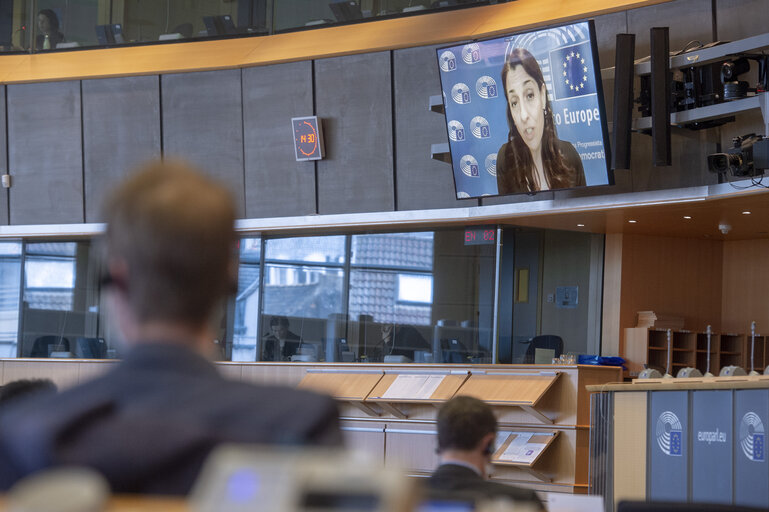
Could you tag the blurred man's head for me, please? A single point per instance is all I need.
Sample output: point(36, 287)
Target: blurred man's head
point(170, 248)
point(279, 327)
point(23, 388)
point(466, 430)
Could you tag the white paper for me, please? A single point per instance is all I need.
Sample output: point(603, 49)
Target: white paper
point(514, 448)
point(413, 387)
point(561, 502)
point(529, 452)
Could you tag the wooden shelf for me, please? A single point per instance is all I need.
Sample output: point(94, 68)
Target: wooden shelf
point(517, 389)
point(352, 387)
point(534, 445)
point(644, 346)
point(415, 387)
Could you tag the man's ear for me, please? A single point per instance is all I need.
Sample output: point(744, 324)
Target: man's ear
point(117, 274)
point(487, 444)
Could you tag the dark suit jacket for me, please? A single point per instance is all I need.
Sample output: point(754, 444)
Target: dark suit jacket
point(272, 344)
point(453, 478)
point(149, 423)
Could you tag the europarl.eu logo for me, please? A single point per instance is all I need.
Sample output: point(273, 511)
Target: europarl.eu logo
point(469, 166)
point(460, 93)
point(480, 127)
point(448, 61)
point(456, 131)
point(471, 53)
point(572, 71)
point(669, 434)
point(486, 87)
point(752, 437)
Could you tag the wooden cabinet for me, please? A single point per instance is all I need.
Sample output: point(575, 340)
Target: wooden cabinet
point(648, 347)
point(390, 410)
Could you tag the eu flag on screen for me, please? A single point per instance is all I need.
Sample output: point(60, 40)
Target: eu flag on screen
point(675, 442)
point(572, 71)
point(758, 447)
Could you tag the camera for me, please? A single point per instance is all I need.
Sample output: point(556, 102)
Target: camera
point(748, 156)
point(730, 70)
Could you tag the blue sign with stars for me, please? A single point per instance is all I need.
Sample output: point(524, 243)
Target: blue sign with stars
point(574, 76)
point(758, 447)
point(675, 442)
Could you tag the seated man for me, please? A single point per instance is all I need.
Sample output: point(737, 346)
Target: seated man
point(280, 344)
point(400, 340)
point(466, 432)
point(149, 423)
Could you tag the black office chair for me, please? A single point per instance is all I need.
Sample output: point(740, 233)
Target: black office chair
point(549, 341)
point(42, 345)
point(651, 506)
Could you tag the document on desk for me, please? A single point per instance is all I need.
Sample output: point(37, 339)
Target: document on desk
point(522, 450)
point(413, 387)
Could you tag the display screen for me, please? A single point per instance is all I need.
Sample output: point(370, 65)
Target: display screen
point(525, 113)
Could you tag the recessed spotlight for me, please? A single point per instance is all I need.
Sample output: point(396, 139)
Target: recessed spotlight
point(580, 225)
point(687, 217)
point(746, 213)
point(631, 221)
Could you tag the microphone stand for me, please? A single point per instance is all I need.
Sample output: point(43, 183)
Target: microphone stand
point(707, 369)
point(752, 347)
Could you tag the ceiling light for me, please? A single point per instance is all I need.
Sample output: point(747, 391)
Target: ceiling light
point(631, 221)
point(746, 213)
point(580, 225)
point(687, 217)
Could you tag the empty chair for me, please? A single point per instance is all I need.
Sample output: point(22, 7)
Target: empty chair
point(90, 348)
point(43, 345)
point(548, 341)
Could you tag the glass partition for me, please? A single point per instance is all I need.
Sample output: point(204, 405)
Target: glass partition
point(61, 302)
point(10, 297)
point(46, 25)
point(420, 296)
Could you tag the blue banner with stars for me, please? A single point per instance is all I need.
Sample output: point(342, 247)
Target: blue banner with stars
point(574, 76)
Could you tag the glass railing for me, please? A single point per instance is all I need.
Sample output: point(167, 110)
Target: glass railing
point(47, 25)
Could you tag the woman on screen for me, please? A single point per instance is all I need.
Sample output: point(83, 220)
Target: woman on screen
point(533, 158)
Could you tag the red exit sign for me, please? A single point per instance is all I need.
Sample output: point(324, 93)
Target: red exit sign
point(482, 236)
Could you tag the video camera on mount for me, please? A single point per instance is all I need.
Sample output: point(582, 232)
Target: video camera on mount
point(748, 156)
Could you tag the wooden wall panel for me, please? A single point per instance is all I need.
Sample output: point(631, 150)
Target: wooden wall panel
point(353, 96)
point(63, 375)
point(121, 128)
point(45, 153)
point(674, 276)
point(3, 158)
point(611, 334)
point(203, 123)
point(746, 286)
point(276, 184)
point(630, 410)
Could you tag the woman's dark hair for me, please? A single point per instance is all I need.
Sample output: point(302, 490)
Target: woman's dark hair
point(519, 172)
point(53, 20)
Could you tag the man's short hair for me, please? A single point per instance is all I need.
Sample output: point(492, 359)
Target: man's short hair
point(23, 387)
point(463, 422)
point(281, 321)
point(174, 228)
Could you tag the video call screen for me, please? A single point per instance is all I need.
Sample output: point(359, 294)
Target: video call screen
point(525, 113)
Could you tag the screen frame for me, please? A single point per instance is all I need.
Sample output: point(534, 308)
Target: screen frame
point(599, 94)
